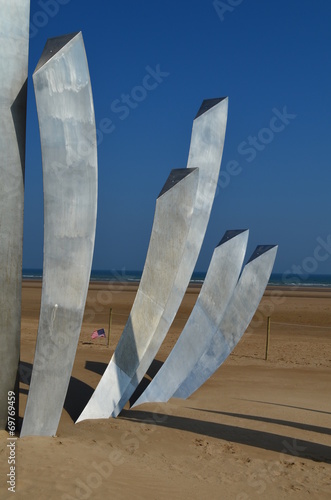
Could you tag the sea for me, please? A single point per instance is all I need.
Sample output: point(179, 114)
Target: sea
point(276, 279)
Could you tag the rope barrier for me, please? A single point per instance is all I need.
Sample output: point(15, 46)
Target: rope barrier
point(274, 322)
point(300, 324)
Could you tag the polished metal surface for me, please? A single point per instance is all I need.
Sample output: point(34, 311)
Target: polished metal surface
point(172, 221)
point(215, 294)
point(241, 309)
point(14, 48)
point(117, 385)
point(69, 152)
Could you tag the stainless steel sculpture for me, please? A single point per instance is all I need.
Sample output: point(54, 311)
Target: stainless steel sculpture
point(172, 221)
point(69, 153)
point(14, 48)
point(215, 294)
point(241, 309)
point(117, 384)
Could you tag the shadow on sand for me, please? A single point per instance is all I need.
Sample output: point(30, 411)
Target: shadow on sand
point(258, 439)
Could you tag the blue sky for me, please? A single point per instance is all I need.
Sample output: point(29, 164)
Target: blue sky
point(272, 59)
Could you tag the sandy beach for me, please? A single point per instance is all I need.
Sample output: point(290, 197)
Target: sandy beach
point(256, 430)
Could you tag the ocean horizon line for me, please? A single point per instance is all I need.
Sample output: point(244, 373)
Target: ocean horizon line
point(134, 276)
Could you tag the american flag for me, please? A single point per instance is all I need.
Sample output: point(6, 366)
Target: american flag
point(98, 333)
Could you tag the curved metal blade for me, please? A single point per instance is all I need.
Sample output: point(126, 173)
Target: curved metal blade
point(69, 151)
point(205, 317)
point(241, 309)
point(14, 48)
point(206, 151)
point(173, 216)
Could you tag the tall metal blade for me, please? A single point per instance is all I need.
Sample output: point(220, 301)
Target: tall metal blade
point(241, 309)
point(215, 294)
point(206, 151)
point(69, 152)
point(14, 48)
point(172, 221)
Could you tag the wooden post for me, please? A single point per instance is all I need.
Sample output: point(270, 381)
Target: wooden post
point(109, 325)
point(267, 341)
